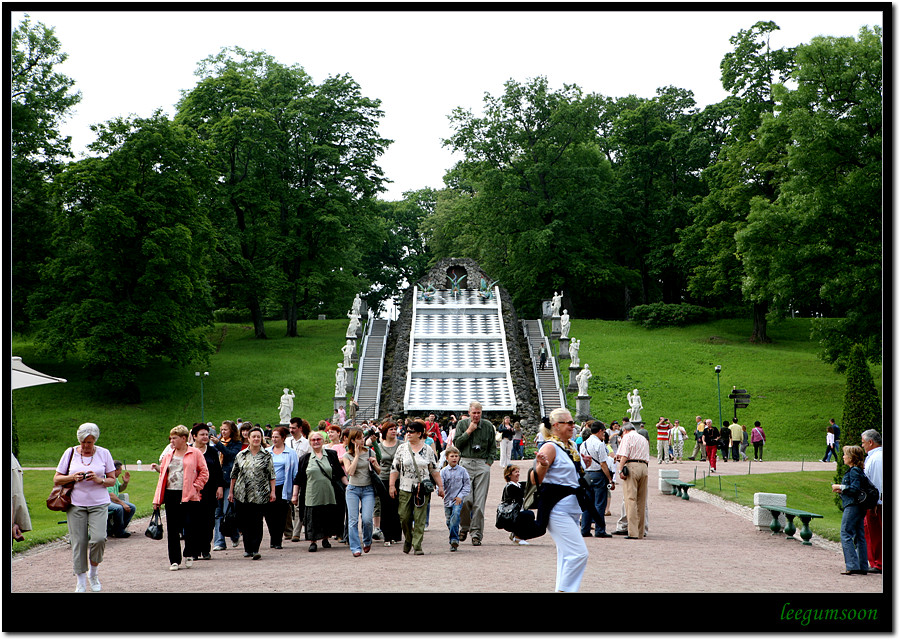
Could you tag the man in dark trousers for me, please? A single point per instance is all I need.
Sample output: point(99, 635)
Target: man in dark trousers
point(477, 446)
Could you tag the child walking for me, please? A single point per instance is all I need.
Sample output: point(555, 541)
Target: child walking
point(513, 492)
point(457, 486)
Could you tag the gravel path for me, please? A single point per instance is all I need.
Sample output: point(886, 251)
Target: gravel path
point(671, 558)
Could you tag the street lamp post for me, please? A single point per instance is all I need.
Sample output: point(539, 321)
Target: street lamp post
point(202, 414)
point(719, 387)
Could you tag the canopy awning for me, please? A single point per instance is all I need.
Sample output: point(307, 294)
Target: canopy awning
point(23, 376)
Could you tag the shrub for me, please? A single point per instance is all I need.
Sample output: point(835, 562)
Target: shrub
point(232, 315)
point(660, 314)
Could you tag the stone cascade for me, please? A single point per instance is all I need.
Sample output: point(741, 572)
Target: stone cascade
point(457, 353)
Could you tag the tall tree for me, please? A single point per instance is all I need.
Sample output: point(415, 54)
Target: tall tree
point(537, 181)
point(821, 237)
point(126, 281)
point(297, 167)
point(40, 99)
point(746, 168)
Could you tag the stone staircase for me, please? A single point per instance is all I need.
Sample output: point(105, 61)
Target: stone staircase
point(369, 375)
point(550, 392)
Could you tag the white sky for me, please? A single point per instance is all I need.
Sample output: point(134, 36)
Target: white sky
point(420, 64)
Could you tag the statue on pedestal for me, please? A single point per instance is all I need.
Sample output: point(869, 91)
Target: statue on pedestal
point(555, 303)
point(353, 329)
point(574, 346)
point(635, 406)
point(348, 350)
point(286, 408)
point(340, 381)
point(582, 379)
point(356, 305)
point(564, 324)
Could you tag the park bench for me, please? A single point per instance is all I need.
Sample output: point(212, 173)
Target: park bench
point(790, 514)
point(680, 488)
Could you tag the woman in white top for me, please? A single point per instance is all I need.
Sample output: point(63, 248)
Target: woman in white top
point(554, 465)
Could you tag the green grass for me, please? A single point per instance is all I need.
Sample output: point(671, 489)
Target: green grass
point(806, 490)
point(793, 393)
point(45, 523)
point(246, 378)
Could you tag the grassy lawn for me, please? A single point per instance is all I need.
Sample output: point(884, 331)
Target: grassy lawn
point(807, 490)
point(793, 393)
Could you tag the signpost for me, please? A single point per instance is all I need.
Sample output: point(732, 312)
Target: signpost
point(741, 400)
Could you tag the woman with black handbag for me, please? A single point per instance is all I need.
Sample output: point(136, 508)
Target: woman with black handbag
point(91, 470)
point(416, 468)
point(318, 492)
point(557, 473)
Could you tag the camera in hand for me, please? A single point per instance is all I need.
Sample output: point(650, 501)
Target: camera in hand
point(370, 431)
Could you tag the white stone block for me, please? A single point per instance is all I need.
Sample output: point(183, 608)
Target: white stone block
point(762, 518)
point(665, 487)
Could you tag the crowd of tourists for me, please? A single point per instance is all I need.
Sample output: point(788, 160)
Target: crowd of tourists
point(360, 484)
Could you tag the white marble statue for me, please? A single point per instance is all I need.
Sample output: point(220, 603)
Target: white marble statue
point(353, 329)
point(356, 305)
point(555, 303)
point(286, 408)
point(348, 350)
point(574, 346)
point(340, 381)
point(564, 324)
point(582, 379)
point(635, 406)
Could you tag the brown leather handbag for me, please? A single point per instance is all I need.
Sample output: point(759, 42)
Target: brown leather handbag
point(60, 498)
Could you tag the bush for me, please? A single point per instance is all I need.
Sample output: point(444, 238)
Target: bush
point(232, 315)
point(660, 314)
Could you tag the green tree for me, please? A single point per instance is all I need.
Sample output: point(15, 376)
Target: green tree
point(825, 224)
point(746, 167)
point(126, 281)
point(532, 188)
point(40, 100)
point(862, 406)
point(297, 172)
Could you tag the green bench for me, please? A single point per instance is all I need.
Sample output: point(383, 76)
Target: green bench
point(790, 514)
point(680, 488)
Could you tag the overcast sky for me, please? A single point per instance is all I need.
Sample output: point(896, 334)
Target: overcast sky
point(421, 65)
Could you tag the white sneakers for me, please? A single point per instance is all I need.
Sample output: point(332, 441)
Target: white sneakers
point(173, 567)
point(188, 562)
point(80, 588)
point(95, 583)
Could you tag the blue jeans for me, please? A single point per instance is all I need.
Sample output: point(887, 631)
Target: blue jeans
point(218, 538)
point(853, 538)
point(452, 513)
point(360, 500)
point(120, 518)
point(599, 495)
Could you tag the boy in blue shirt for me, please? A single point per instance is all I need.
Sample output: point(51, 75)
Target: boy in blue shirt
point(457, 486)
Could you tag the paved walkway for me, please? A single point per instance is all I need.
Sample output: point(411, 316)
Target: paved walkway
point(674, 557)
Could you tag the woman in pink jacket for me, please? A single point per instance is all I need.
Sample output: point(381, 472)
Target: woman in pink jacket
point(182, 474)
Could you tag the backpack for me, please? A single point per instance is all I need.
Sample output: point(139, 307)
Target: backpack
point(868, 493)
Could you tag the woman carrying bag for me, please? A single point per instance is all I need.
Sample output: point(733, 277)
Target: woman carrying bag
point(359, 466)
point(92, 470)
point(413, 465)
point(318, 492)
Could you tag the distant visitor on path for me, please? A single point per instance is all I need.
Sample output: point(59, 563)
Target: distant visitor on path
point(757, 439)
point(543, 356)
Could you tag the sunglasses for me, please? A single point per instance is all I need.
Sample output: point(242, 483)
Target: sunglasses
point(571, 423)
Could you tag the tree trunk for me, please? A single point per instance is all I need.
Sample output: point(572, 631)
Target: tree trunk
point(760, 309)
point(290, 314)
point(259, 326)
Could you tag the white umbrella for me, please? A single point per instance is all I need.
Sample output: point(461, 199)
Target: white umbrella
point(23, 376)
